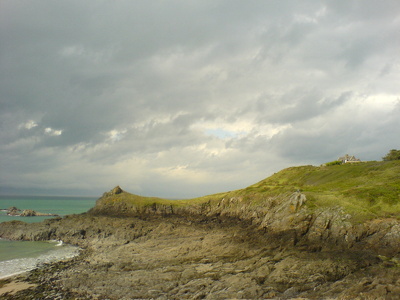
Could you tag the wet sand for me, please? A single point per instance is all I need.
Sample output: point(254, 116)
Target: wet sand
point(14, 284)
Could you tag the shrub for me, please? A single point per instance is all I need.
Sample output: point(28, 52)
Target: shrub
point(334, 163)
point(392, 155)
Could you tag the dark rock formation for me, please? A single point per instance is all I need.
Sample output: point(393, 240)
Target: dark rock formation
point(117, 190)
point(28, 213)
point(284, 215)
point(13, 211)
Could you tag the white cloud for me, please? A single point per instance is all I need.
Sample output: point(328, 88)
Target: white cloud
point(76, 50)
point(85, 54)
point(223, 129)
point(116, 135)
point(52, 132)
point(29, 125)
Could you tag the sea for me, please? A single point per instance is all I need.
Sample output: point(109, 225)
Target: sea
point(20, 256)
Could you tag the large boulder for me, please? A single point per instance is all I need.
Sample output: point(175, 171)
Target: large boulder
point(28, 213)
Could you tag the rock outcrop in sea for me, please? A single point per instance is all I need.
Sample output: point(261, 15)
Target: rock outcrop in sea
point(14, 211)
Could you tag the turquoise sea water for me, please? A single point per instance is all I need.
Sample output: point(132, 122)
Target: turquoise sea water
point(21, 256)
point(45, 204)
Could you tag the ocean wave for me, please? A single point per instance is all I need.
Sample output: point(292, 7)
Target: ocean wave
point(20, 265)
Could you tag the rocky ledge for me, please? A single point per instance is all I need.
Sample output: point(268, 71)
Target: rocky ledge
point(219, 249)
point(13, 211)
point(285, 215)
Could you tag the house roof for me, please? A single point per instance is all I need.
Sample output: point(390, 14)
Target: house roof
point(348, 158)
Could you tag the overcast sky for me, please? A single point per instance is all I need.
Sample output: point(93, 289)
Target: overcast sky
point(188, 98)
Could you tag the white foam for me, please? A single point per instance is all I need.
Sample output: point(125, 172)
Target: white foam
point(20, 265)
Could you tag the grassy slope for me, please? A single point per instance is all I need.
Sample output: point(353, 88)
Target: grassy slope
point(365, 190)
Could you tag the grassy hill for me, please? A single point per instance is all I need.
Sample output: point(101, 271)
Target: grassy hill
point(365, 190)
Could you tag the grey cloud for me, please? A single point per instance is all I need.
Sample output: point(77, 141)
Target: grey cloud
point(353, 11)
point(369, 139)
point(136, 85)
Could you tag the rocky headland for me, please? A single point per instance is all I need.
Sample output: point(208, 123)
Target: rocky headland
point(305, 232)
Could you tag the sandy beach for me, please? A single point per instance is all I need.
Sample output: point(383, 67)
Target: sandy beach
point(13, 284)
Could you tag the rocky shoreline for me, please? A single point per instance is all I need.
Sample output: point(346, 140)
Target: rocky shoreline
point(217, 250)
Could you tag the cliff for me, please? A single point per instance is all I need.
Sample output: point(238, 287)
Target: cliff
point(344, 206)
point(309, 232)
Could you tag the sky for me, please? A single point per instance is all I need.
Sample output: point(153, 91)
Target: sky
point(180, 99)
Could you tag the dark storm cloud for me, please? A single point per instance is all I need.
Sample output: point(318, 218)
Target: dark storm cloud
point(188, 98)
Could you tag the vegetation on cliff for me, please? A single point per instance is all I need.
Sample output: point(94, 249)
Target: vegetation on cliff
point(365, 190)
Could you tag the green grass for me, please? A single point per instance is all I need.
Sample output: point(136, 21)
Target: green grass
point(365, 190)
point(138, 200)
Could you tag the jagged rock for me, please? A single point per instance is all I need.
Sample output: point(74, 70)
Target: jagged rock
point(28, 213)
point(13, 211)
point(117, 190)
point(297, 200)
